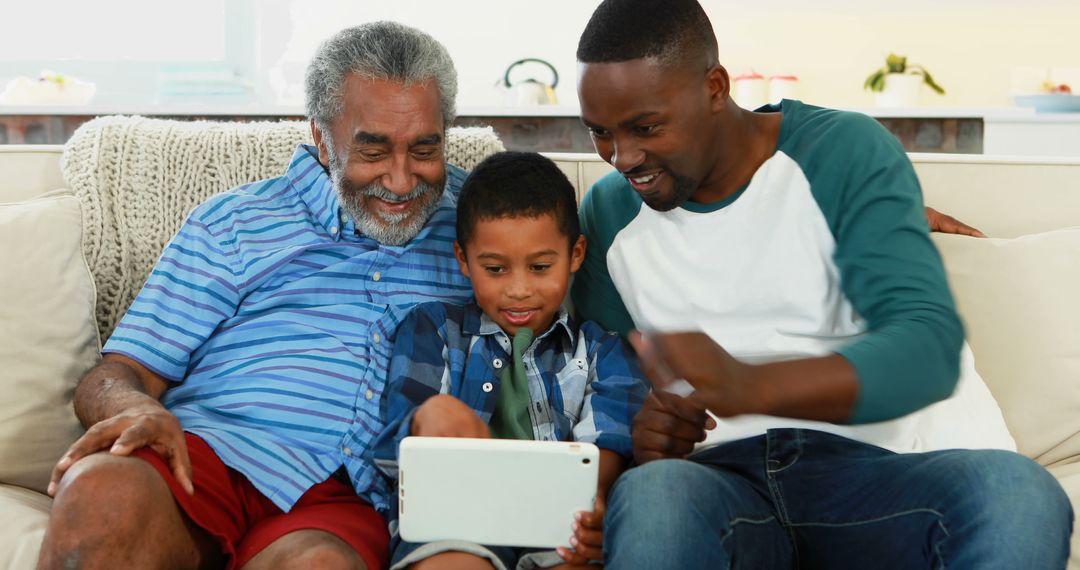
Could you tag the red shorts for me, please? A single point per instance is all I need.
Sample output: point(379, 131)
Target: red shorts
point(228, 507)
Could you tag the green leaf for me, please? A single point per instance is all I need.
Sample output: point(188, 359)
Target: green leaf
point(876, 81)
point(896, 63)
point(930, 81)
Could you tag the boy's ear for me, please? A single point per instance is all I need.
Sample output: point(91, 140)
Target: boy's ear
point(459, 253)
point(577, 254)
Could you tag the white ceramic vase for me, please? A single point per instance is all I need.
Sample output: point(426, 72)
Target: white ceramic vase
point(901, 90)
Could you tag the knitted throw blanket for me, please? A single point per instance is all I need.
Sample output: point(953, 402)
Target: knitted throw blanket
point(137, 179)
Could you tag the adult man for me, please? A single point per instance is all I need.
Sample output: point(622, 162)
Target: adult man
point(809, 261)
point(259, 331)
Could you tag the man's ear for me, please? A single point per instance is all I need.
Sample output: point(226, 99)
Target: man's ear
point(577, 254)
point(459, 253)
point(719, 85)
point(317, 136)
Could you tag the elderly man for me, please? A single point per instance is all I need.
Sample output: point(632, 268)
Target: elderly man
point(228, 417)
point(781, 264)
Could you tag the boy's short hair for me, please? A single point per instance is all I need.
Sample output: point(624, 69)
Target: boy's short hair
point(517, 184)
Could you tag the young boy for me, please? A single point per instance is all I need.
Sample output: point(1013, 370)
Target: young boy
point(513, 364)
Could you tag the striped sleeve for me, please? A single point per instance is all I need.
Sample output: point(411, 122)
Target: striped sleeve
point(191, 290)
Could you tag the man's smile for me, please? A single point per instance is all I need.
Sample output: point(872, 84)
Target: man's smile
point(646, 182)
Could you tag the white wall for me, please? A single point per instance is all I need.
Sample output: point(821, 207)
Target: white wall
point(970, 46)
point(831, 45)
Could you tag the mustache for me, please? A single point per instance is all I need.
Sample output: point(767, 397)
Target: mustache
point(377, 190)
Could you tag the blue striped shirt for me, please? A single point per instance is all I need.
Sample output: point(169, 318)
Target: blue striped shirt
point(271, 315)
point(584, 383)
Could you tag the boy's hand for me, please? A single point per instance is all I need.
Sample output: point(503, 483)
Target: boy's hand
point(447, 416)
point(588, 538)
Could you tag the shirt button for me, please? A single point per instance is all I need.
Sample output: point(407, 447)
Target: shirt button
point(376, 276)
point(333, 230)
point(347, 451)
point(369, 394)
point(377, 338)
point(487, 387)
point(344, 219)
point(497, 363)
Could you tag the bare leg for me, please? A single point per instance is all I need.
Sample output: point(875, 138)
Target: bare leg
point(117, 512)
point(453, 561)
point(305, 549)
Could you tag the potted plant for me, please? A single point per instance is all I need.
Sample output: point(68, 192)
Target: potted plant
point(898, 84)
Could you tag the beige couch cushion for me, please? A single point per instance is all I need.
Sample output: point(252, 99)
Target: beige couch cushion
point(1019, 300)
point(48, 337)
point(26, 514)
point(28, 171)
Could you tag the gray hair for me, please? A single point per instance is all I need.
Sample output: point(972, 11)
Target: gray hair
point(379, 50)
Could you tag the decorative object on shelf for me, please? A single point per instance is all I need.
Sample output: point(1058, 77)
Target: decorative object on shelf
point(202, 82)
point(1052, 102)
point(529, 91)
point(782, 87)
point(898, 84)
point(50, 88)
point(750, 90)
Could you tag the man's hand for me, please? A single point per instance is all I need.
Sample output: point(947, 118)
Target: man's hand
point(149, 425)
point(724, 384)
point(588, 538)
point(949, 225)
point(447, 416)
point(820, 388)
point(668, 426)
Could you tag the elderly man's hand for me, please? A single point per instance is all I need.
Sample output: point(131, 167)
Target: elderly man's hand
point(148, 425)
point(949, 225)
point(447, 416)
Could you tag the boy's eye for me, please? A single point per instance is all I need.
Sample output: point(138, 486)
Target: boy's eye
point(540, 266)
point(645, 129)
point(494, 269)
point(598, 132)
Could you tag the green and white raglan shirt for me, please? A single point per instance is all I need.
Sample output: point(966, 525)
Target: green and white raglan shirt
point(825, 250)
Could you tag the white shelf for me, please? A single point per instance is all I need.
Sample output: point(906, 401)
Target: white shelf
point(257, 109)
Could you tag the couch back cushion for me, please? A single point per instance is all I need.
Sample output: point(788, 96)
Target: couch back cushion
point(1019, 301)
point(1002, 196)
point(48, 336)
point(138, 178)
point(28, 171)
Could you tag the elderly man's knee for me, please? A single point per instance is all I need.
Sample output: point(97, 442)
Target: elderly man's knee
point(99, 483)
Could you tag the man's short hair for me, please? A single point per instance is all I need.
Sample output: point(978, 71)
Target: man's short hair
point(517, 185)
point(673, 32)
point(379, 50)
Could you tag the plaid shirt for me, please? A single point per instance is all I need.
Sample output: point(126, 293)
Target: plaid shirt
point(584, 383)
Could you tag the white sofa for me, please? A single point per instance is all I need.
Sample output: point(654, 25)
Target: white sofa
point(77, 239)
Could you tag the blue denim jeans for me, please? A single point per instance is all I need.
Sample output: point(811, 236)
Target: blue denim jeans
point(803, 499)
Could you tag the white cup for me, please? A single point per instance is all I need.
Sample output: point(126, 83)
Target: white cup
point(782, 87)
point(749, 91)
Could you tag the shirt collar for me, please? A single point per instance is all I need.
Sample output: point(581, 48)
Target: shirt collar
point(311, 180)
point(478, 323)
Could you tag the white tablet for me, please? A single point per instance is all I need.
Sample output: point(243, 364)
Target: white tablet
point(494, 491)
